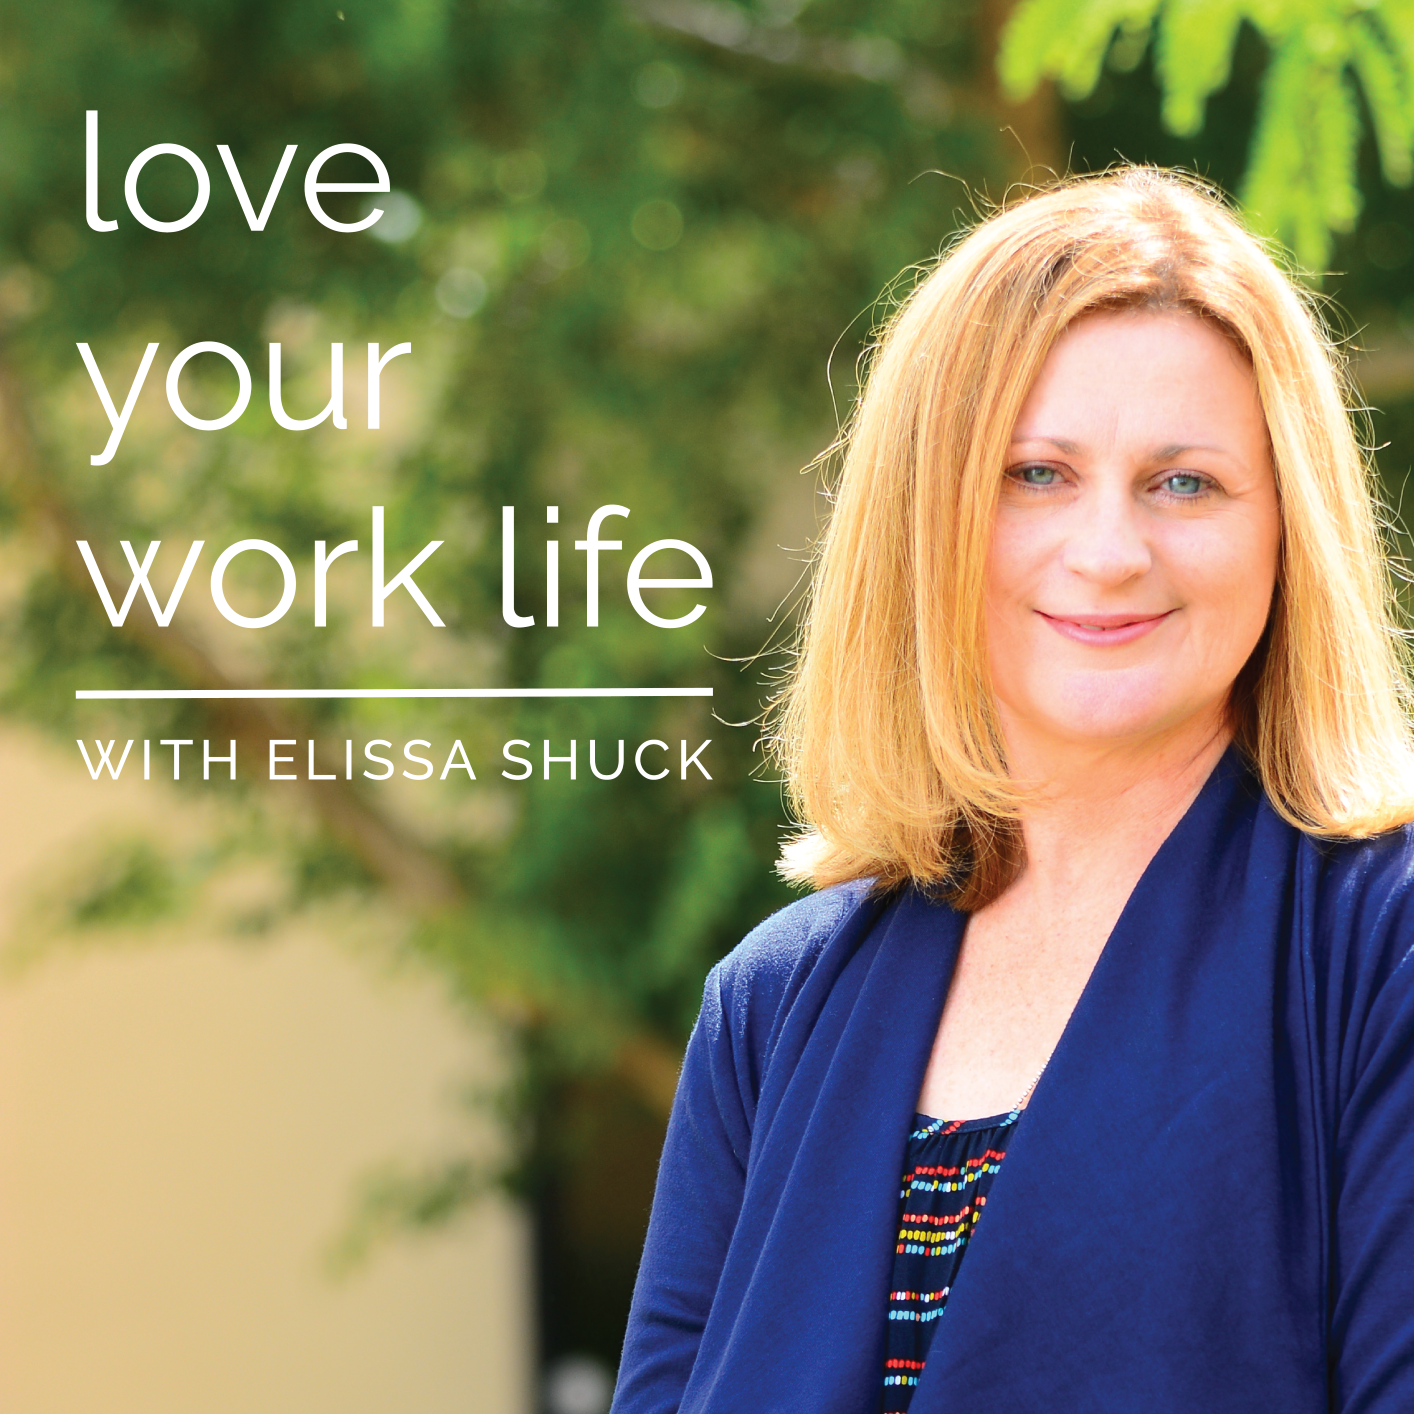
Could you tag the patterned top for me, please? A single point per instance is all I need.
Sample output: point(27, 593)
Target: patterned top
point(948, 1171)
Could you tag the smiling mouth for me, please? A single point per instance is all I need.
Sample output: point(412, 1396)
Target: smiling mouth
point(1104, 630)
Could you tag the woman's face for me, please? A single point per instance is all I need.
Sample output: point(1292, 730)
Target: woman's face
point(1135, 550)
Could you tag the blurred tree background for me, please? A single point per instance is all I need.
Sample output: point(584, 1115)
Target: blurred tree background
point(638, 247)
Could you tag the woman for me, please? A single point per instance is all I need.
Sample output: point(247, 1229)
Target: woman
point(1100, 730)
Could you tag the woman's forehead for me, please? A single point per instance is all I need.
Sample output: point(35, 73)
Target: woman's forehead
point(1167, 376)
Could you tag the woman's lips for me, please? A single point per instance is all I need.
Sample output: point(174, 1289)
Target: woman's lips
point(1104, 630)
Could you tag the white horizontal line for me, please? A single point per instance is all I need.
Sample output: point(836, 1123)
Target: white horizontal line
point(268, 694)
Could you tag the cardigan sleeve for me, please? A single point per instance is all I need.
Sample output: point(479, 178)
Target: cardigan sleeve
point(1372, 1242)
point(701, 1178)
point(703, 1171)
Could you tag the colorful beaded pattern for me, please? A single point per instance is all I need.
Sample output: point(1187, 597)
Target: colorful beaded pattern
point(949, 1169)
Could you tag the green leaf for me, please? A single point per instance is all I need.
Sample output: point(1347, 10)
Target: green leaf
point(1064, 41)
point(1386, 87)
point(1194, 57)
point(1031, 42)
point(1300, 182)
point(1396, 19)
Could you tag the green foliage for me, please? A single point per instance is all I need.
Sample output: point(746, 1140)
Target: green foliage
point(1065, 41)
point(639, 243)
point(132, 884)
point(394, 1200)
point(1301, 183)
point(636, 251)
point(1194, 57)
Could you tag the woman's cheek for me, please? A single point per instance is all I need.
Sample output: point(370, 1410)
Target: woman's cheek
point(1225, 582)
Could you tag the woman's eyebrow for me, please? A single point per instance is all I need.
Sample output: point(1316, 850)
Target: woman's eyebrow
point(1158, 454)
point(1177, 449)
point(1061, 444)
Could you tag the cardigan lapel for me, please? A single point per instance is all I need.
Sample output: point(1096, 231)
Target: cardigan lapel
point(1139, 1209)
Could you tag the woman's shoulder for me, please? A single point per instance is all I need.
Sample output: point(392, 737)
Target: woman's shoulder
point(1353, 978)
point(770, 964)
point(1372, 873)
point(796, 933)
point(1361, 906)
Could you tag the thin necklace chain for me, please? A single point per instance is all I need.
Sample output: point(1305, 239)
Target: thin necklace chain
point(1035, 1080)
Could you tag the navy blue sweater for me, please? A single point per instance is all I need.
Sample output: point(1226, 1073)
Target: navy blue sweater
point(1248, 1245)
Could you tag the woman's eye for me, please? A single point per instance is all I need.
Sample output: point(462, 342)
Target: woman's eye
point(1037, 475)
point(1182, 483)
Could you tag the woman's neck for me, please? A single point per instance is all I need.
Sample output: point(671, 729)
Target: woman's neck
point(1101, 812)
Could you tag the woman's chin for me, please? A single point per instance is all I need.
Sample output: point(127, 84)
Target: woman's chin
point(1113, 713)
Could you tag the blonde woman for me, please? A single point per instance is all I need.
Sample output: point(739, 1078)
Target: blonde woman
point(1099, 730)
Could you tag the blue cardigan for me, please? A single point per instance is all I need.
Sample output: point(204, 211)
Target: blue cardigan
point(1236, 1085)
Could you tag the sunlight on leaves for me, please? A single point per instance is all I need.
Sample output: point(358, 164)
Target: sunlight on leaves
point(1325, 57)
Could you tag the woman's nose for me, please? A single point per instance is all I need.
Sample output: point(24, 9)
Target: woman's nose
point(1107, 543)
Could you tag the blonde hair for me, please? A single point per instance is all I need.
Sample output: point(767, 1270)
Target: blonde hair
point(887, 730)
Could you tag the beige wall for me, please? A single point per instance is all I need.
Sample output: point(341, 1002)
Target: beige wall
point(182, 1127)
